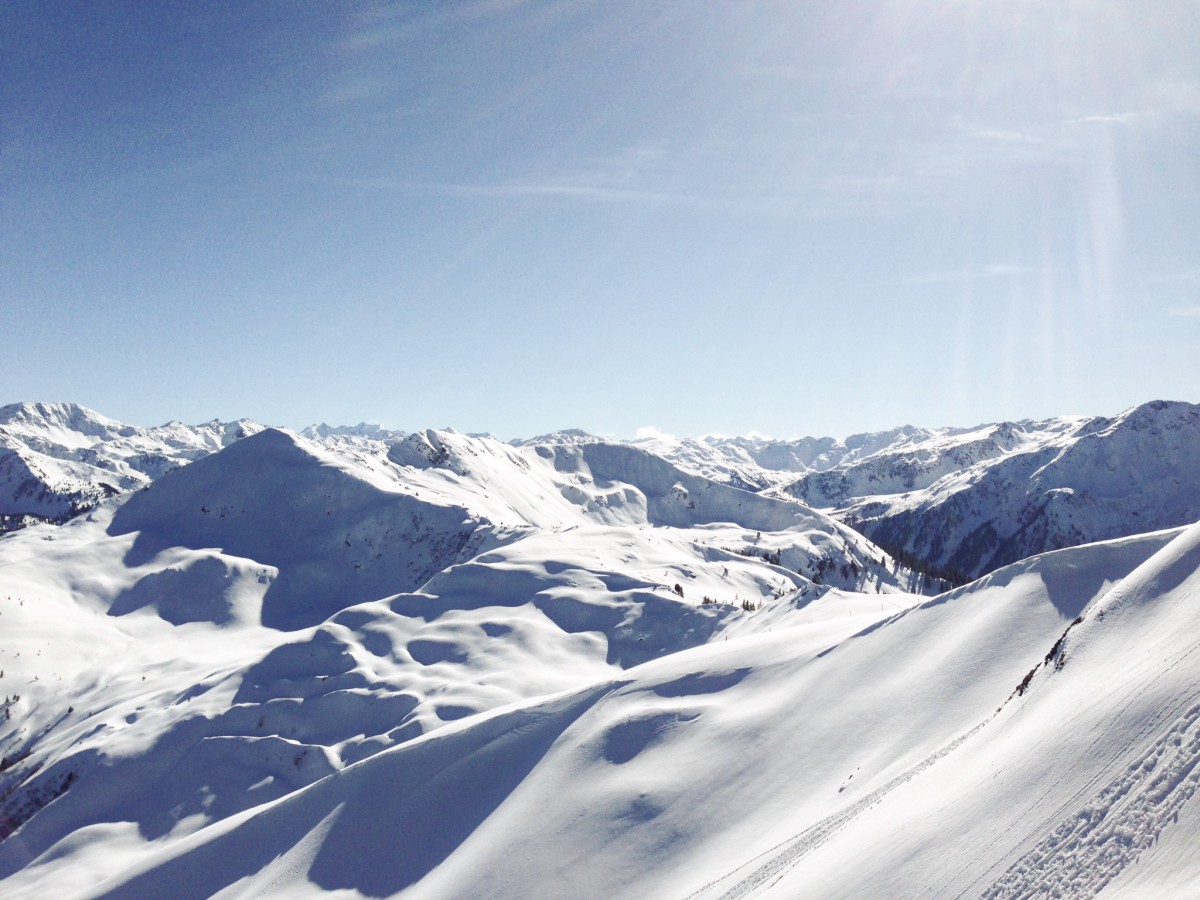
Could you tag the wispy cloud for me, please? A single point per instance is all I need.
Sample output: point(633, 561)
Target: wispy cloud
point(637, 174)
point(622, 167)
point(1028, 143)
point(381, 28)
point(547, 190)
point(1184, 312)
point(995, 271)
point(583, 191)
point(1158, 100)
point(1126, 118)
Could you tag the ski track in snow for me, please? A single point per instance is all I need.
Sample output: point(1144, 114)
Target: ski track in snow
point(1093, 846)
point(786, 854)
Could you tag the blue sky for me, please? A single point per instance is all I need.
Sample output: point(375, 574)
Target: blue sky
point(788, 218)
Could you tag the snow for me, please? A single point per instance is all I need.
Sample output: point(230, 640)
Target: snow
point(767, 761)
point(974, 499)
point(975, 507)
point(962, 500)
point(431, 665)
point(59, 459)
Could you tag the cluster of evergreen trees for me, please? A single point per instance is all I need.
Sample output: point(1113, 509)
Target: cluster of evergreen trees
point(947, 576)
point(754, 553)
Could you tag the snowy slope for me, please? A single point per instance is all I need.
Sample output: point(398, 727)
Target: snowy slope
point(276, 611)
point(919, 458)
point(910, 758)
point(335, 535)
point(60, 459)
point(758, 463)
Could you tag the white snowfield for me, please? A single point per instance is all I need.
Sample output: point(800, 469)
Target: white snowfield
point(360, 665)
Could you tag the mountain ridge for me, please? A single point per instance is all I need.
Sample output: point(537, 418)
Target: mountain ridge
point(954, 501)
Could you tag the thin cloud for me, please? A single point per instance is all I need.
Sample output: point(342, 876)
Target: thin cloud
point(1028, 144)
point(1126, 118)
point(1006, 269)
point(628, 175)
point(1184, 312)
point(589, 192)
point(582, 192)
point(995, 271)
point(622, 167)
point(381, 28)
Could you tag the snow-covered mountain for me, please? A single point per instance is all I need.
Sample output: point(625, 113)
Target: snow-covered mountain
point(979, 500)
point(966, 501)
point(757, 463)
point(274, 612)
point(957, 502)
point(352, 662)
point(60, 459)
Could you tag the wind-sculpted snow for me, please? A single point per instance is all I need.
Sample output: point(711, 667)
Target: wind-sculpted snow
point(1070, 784)
point(729, 767)
point(198, 587)
point(391, 810)
point(1099, 841)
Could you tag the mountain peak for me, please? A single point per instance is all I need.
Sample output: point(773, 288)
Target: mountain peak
point(69, 417)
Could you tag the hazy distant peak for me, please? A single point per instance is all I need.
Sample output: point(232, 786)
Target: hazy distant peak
point(562, 436)
point(362, 429)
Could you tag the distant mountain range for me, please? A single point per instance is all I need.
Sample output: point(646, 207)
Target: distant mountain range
point(956, 502)
point(965, 501)
point(60, 459)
